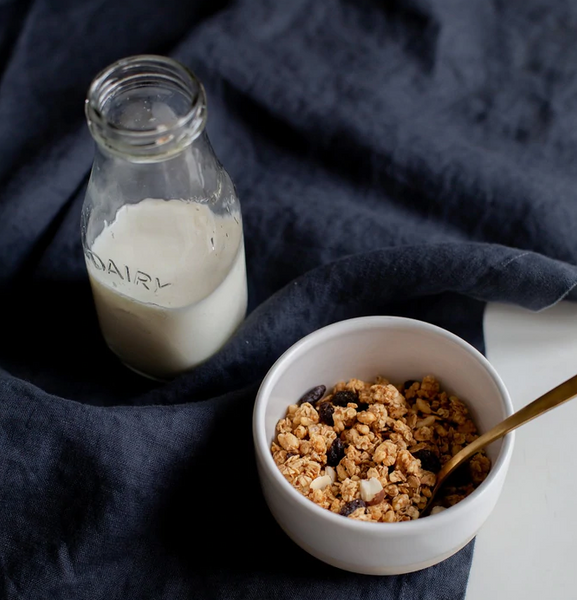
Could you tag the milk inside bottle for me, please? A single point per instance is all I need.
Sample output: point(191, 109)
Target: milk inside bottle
point(169, 284)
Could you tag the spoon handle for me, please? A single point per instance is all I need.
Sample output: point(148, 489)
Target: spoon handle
point(551, 399)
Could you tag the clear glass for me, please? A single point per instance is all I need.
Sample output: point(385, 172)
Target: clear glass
point(161, 221)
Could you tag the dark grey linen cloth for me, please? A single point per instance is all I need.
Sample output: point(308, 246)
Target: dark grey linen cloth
point(411, 158)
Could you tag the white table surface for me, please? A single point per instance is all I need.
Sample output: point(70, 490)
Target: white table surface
point(528, 547)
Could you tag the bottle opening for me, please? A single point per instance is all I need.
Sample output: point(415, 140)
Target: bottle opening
point(146, 107)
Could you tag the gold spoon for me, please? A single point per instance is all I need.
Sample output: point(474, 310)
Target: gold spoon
point(551, 399)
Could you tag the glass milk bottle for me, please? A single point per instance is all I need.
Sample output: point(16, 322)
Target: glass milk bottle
point(161, 221)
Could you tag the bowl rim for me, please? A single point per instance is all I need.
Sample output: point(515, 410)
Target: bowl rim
point(262, 445)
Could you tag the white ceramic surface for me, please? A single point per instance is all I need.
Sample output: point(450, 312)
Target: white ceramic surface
point(398, 349)
point(527, 548)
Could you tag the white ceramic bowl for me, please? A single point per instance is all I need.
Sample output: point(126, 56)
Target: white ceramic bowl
point(399, 349)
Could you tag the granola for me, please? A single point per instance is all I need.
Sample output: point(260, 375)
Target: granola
point(371, 450)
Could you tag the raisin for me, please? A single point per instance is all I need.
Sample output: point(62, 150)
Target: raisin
point(429, 460)
point(351, 506)
point(461, 476)
point(343, 398)
point(313, 395)
point(335, 452)
point(361, 406)
point(326, 410)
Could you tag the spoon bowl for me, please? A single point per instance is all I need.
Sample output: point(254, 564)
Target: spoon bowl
point(551, 399)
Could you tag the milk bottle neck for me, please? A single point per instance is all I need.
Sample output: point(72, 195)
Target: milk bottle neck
point(146, 109)
point(147, 114)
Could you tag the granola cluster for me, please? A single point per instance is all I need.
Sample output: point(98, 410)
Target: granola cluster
point(371, 450)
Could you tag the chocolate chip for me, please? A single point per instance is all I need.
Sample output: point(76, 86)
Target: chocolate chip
point(326, 410)
point(429, 460)
point(344, 397)
point(351, 506)
point(335, 453)
point(313, 395)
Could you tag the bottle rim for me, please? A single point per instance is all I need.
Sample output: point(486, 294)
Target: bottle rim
point(149, 142)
